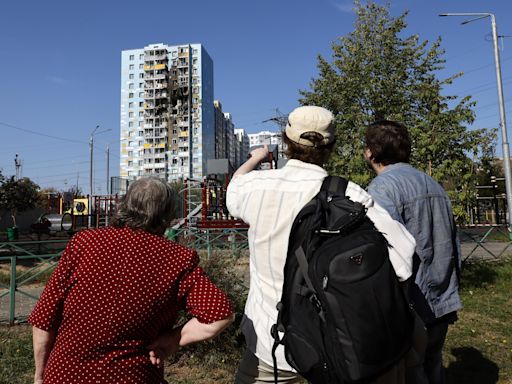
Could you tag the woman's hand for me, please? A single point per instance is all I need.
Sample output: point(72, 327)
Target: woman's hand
point(165, 345)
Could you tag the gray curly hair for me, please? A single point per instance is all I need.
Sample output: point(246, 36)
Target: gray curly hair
point(148, 205)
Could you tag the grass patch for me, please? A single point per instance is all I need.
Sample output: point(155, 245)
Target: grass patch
point(478, 348)
point(38, 273)
point(16, 362)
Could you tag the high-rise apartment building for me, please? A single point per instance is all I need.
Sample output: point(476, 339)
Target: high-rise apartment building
point(242, 146)
point(167, 116)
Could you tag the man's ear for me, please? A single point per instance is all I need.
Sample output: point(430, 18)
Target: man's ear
point(368, 154)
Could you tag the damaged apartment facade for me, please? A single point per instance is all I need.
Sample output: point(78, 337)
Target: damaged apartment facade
point(167, 112)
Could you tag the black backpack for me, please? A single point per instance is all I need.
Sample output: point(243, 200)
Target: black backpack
point(344, 316)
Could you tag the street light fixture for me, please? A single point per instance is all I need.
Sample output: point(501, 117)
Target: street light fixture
point(503, 123)
point(91, 151)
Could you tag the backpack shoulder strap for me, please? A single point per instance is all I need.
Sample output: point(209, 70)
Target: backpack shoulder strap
point(335, 184)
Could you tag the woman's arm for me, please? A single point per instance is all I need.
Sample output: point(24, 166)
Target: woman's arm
point(191, 332)
point(43, 343)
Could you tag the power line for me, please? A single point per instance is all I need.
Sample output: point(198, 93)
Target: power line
point(42, 134)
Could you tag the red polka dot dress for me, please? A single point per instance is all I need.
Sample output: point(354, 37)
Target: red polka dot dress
point(113, 291)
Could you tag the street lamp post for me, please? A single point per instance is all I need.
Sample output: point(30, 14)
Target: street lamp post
point(503, 123)
point(91, 153)
point(108, 169)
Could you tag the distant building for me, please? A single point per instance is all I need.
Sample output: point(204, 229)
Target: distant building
point(167, 111)
point(220, 131)
point(267, 137)
point(264, 137)
point(241, 146)
point(225, 141)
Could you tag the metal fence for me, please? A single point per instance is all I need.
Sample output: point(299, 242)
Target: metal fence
point(24, 263)
point(27, 262)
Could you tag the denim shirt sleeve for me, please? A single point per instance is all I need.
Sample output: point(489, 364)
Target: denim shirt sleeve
point(383, 196)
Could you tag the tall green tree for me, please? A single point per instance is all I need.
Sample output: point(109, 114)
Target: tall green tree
point(18, 196)
point(376, 72)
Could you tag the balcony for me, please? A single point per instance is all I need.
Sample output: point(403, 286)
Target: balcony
point(150, 57)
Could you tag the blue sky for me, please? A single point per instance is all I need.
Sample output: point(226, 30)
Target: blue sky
point(60, 66)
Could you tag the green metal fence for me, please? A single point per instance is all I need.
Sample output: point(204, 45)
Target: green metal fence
point(28, 262)
point(229, 239)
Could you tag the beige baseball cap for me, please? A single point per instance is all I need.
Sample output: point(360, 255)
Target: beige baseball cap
point(310, 119)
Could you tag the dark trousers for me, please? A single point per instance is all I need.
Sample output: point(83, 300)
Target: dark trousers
point(432, 370)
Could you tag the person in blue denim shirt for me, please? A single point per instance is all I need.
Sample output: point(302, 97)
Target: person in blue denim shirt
point(421, 204)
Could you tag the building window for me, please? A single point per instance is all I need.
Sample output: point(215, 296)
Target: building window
point(141, 94)
point(130, 95)
point(141, 75)
point(141, 114)
point(132, 57)
point(195, 51)
point(141, 104)
point(140, 123)
point(130, 114)
point(141, 56)
point(130, 163)
point(141, 85)
point(131, 76)
point(141, 66)
point(131, 67)
point(130, 153)
point(130, 86)
point(130, 104)
point(130, 124)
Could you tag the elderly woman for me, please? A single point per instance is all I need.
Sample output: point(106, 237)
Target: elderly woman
point(107, 314)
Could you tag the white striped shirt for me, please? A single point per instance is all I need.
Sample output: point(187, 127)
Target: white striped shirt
point(269, 201)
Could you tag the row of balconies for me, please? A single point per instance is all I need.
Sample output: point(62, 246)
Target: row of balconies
point(155, 56)
point(154, 67)
point(156, 95)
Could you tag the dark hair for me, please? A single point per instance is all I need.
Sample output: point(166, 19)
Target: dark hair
point(389, 142)
point(319, 154)
point(148, 205)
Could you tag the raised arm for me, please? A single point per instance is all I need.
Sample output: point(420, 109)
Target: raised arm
point(257, 155)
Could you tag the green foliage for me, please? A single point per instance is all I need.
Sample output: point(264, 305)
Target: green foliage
point(377, 73)
point(18, 196)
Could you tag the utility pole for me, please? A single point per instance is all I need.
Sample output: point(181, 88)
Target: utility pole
point(17, 164)
point(91, 152)
point(108, 169)
point(501, 103)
